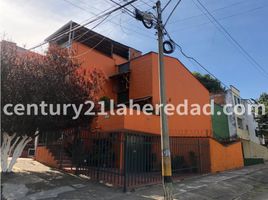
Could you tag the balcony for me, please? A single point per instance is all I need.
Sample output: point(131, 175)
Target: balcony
point(129, 122)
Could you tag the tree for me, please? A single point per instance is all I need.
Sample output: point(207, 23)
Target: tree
point(263, 118)
point(29, 78)
point(213, 85)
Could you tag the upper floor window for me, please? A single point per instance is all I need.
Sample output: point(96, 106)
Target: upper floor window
point(237, 100)
point(240, 123)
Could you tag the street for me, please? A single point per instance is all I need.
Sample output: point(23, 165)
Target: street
point(33, 180)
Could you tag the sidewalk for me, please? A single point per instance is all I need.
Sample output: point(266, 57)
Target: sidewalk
point(33, 180)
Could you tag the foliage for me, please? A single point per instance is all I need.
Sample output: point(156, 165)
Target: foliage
point(263, 119)
point(30, 78)
point(213, 85)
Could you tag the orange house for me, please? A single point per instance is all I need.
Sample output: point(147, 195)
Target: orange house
point(133, 76)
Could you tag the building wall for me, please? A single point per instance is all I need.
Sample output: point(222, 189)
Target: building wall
point(181, 85)
point(251, 124)
point(231, 118)
point(225, 157)
point(254, 150)
point(91, 59)
point(220, 123)
point(140, 123)
point(43, 155)
point(141, 77)
point(247, 131)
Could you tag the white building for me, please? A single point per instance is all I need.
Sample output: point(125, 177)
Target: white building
point(241, 125)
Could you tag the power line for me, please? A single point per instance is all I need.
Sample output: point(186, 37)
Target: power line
point(80, 26)
point(146, 3)
point(166, 5)
point(132, 30)
point(91, 49)
point(195, 60)
point(221, 18)
point(129, 12)
point(172, 12)
point(81, 35)
point(250, 58)
point(212, 11)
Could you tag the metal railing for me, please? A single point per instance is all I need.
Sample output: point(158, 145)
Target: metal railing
point(129, 160)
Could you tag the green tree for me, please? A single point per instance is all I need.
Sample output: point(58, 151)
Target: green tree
point(213, 85)
point(29, 78)
point(263, 117)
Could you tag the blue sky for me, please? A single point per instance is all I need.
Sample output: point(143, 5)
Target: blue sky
point(29, 22)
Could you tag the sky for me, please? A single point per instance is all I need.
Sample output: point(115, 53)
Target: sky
point(29, 22)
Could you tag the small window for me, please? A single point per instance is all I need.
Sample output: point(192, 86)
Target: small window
point(240, 123)
point(31, 152)
point(237, 100)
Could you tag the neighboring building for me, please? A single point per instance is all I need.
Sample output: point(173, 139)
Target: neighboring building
point(135, 144)
point(242, 126)
point(220, 124)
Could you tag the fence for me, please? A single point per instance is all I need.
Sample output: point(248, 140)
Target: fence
point(128, 159)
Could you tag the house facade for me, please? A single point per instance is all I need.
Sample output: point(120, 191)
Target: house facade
point(130, 144)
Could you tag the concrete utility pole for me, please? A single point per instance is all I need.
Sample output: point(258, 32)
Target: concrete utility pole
point(165, 148)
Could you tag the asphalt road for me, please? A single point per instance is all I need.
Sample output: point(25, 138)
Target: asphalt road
point(33, 180)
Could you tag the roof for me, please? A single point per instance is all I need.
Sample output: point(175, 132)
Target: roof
point(91, 39)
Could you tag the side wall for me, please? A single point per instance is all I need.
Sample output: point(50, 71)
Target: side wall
point(225, 157)
point(91, 59)
point(43, 155)
point(141, 77)
point(182, 85)
point(220, 123)
point(253, 150)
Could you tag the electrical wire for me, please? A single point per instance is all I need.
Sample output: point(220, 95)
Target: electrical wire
point(171, 13)
point(212, 11)
point(221, 28)
point(81, 35)
point(132, 30)
point(145, 3)
point(129, 12)
point(83, 25)
point(166, 5)
point(90, 50)
point(195, 60)
point(221, 18)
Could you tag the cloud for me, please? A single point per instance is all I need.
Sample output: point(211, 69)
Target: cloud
point(30, 22)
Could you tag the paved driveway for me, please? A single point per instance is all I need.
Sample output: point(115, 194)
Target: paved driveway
point(33, 180)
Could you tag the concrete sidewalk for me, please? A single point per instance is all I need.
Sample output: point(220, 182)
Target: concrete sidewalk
point(33, 180)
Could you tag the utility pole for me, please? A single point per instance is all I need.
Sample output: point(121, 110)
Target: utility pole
point(165, 148)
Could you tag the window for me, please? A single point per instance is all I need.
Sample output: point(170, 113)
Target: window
point(240, 123)
point(237, 100)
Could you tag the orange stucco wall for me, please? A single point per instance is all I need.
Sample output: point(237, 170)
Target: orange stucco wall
point(140, 123)
point(43, 155)
point(180, 84)
point(91, 59)
point(141, 77)
point(225, 157)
